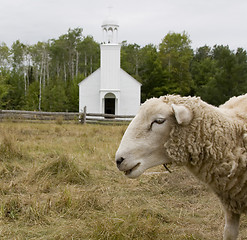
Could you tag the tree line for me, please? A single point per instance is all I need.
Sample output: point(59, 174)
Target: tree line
point(45, 76)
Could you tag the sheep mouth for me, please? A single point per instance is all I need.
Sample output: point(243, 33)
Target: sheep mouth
point(128, 172)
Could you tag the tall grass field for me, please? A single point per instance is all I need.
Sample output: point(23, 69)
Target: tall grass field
point(59, 181)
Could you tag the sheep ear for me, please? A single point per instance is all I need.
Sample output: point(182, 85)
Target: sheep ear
point(183, 114)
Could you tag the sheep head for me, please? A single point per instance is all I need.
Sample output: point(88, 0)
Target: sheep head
point(143, 143)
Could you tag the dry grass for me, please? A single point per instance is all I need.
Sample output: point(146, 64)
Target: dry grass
point(60, 182)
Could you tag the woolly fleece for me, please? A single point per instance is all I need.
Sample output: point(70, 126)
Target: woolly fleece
point(213, 147)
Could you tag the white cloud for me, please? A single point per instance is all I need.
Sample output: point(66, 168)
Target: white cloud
point(142, 21)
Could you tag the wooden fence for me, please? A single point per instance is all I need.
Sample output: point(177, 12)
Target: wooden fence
point(83, 117)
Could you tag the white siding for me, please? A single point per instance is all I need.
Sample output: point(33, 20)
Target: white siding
point(128, 97)
point(110, 66)
point(89, 93)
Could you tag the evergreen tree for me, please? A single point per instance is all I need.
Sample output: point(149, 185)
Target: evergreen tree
point(230, 75)
point(4, 90)
point(203, 69)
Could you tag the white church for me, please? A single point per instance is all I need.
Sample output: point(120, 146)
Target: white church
point(110, 90)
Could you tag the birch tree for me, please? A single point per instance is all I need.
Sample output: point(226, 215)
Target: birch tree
point(19, 53)
point(90, 55)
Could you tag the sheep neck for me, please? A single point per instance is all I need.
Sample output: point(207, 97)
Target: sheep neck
point(212, 147)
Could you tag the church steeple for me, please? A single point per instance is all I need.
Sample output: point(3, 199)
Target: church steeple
point(110, 56)
point(110, 31)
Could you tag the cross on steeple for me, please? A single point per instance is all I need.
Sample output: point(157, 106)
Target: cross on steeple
point(109, 10)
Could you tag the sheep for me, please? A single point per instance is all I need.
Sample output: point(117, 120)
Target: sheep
point(237, 106)
point(186, 131)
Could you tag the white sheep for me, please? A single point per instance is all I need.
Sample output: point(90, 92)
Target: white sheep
point(209, 141)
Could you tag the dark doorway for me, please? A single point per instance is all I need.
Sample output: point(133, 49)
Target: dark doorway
point(110, 105)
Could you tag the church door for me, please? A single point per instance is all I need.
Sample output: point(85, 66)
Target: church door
point(110, 103)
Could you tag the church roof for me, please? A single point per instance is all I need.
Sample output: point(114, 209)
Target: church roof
point(96, 74)
point(110, 21)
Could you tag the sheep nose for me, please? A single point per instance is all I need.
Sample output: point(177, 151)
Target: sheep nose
point(119, 161)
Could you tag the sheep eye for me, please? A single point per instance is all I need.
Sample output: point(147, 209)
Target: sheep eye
point(158, 121)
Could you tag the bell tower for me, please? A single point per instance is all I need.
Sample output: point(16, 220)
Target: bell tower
point(110, 63)
point(110, 31)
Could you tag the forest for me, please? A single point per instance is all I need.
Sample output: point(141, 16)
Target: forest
point(45, 76)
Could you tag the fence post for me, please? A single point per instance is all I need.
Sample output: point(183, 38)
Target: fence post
point(84, 115)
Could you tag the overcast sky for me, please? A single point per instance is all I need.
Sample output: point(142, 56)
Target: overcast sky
point(207, 22)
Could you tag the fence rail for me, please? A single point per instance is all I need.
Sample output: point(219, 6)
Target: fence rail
point(82, 117)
